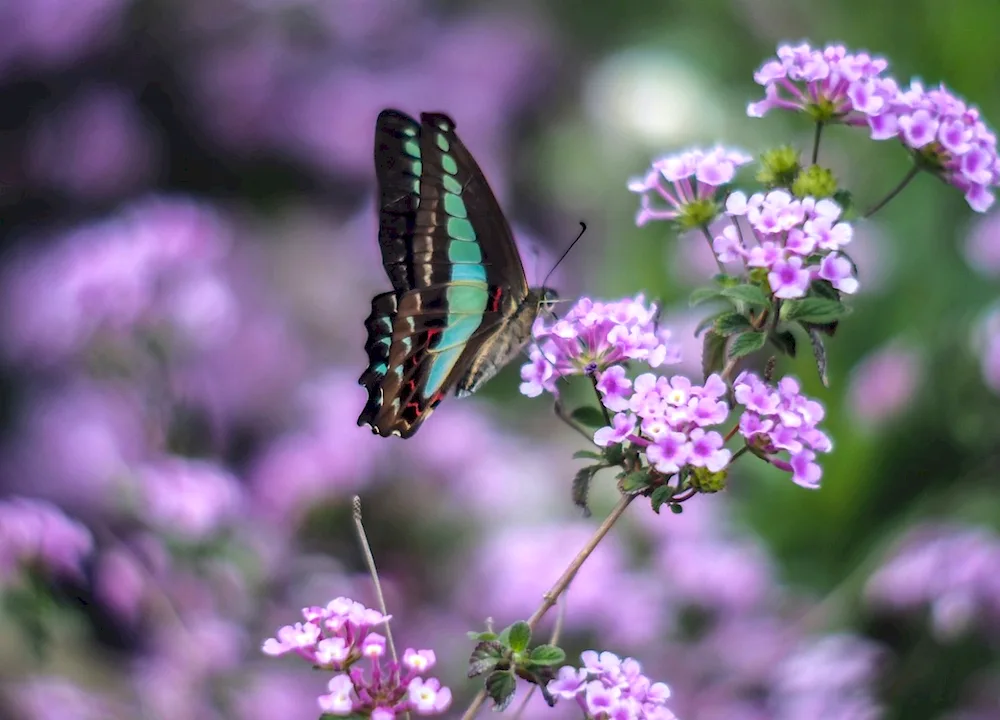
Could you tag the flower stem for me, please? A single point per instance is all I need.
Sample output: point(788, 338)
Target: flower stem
point(816, 137)
point(366, 550)
point(550, 598)
point(561, 414)
point(708, 238)
point(911, 173)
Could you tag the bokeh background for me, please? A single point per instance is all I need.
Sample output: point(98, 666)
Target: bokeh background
point(188, 252)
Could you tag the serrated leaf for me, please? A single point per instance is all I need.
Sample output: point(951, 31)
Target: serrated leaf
point(659, 496)
point(750, 294)
point(814, 310)
point(731, 323)
point(547, 655)
point(485, 657)
point(587, 455)
point(633, 481)
point(713, 353)
point(784, 341)
point(519, 636)
point(746, 344)
point(581, 487)
point(614, 454)
point(703, 295)
point(589, 416)
point(500, 686)
point(819, 352)
point(823, 288)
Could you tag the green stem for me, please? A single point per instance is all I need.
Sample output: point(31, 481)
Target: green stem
point(816, 137)
point(911, 173)
point(708, 238)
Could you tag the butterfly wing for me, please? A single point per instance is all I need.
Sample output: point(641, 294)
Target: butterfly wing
point(455, 270)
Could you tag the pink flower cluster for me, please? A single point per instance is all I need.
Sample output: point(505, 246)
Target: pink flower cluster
point(338, 636)
point(788, 232)
point(779, 420)
point(949, 569)
point(35, 533)
point(593, 336)
point(831, 82)
point(609, 688)
point(668, 416)
point(940, 126)
point(833, 85)
point(679, 180)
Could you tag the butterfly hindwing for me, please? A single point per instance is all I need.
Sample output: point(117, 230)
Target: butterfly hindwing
point(451, 258)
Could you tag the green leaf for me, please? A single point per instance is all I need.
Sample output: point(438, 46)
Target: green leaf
point(730, 324)
point(500, 686)
point(614, 454)
point(823, 288)
point(713, 353)
point(819, 352)
point(708, 322)
point(581, 486)
point(485, 657)
point(547, 655)
point(726, 280)
point(481, 636)
point(746, 344)
point(703, 295)
point(660, 495)
point(676, 508)
point(589, 416)
point(519, 636)
point(749, 294)
point(587, 455)
point(633, 481)
point(815, 310)
point(784, 341)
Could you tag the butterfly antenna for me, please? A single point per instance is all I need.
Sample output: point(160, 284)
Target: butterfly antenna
point(583, 229)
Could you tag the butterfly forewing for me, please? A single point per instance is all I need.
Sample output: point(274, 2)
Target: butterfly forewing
point(451, 258)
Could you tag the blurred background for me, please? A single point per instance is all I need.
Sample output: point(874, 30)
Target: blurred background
point(188, 253)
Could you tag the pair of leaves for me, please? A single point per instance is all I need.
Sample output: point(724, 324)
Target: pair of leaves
point(505, 656)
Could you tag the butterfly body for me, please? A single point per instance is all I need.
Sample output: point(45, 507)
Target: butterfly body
point(460, 308)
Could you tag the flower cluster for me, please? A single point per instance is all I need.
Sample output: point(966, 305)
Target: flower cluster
point(339, 635)
point(949, 569)
point(797, 241)
point(669, 416)
point(37, 534)
point(782, 419)
point(686, 183)
point(593, 336)
point(609, 688)
point(831, 85)
point(948, 135)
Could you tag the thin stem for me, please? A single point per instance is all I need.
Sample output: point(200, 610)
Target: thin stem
point(711, 248)
point(816, 137)
point(911, 173)
point(561, 414)
point(727, 371)
point(550, 598)
point(366, 550)
point(600, 400)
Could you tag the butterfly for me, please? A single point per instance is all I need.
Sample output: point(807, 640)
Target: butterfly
point(460, 307)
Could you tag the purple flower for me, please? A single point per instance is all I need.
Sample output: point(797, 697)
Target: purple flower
point(788, 233)
point(947, 135)
point(884, 383)
point(686, 184)
point(35, 534)
point(622, 425)
point(593, 337)
point(338, 637)
point(707, 450)
point(614, 388)
point(782, 419)
point(188, 498)
point(982, 245)
point(830, 85)
point(669, 453)
point(609, 688)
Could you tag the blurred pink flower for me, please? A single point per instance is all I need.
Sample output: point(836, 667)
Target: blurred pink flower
point(95, 147)
point(48, 697)
point(120, 583)
point(188, 499)
point(982, 245)
point(884, 383)
point(37, 534)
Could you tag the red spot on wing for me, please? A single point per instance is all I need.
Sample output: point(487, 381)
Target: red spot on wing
point(495, 300)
